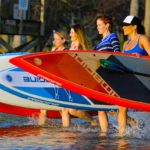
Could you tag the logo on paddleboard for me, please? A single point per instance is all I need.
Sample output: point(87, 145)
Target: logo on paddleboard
point(9, 78)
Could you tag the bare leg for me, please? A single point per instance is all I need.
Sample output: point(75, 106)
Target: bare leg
point(84, 115)
point(42, 117)
point(122, 120)
point(103, 121)
point(65, 117)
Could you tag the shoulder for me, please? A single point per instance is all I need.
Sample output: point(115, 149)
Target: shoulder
point(114, 39)
point(113, 36)
point(145, 43)
point(144, 38)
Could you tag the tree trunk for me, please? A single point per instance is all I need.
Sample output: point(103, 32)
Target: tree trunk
point(2, 48)
point(134, 7)
point(16, 41)
point(147, 18)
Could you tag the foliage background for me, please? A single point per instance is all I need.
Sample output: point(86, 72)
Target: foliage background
point(61, 14)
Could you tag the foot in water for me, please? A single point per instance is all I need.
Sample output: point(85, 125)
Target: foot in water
point(135, 123)
point(103, 134)
point(42, 117)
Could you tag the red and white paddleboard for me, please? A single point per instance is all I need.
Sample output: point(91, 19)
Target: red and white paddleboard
point(24, 94)
point(113, 78)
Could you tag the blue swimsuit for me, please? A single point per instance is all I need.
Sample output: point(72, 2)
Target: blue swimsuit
point(110, 43)
point(136, 49)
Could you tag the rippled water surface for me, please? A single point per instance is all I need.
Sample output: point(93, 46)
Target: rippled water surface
point(22, 133)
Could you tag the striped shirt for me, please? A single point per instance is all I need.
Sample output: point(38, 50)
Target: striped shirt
point(110, 43)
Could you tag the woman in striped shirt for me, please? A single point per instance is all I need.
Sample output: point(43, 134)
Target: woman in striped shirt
point(109, 42)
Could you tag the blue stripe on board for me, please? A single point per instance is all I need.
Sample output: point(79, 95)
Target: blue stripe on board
point(13, 69)
point(56, 93)
point(66, 95)
point(88, 107)
point(14, 54)
point(37, 91)
point(17, 69)
point(4, 88)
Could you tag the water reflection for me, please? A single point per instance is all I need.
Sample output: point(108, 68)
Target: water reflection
point(123, 144)
point(20, 135)
point(15, 132)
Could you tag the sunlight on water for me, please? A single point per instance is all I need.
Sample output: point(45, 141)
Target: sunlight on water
point(23, 133)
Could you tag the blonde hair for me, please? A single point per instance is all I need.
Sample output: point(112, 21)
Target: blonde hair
point(61, 34)
point(80, 36)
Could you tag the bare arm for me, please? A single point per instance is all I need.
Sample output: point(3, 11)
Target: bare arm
point(145, 43)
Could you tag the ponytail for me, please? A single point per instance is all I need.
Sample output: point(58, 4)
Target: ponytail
point(140, 29)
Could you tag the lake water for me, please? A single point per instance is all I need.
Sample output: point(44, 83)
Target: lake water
point(22, 133)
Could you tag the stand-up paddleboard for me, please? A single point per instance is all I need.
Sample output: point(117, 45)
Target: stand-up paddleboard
point(113, 78)
point(20, 88)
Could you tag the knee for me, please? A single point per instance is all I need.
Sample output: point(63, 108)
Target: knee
point(43, 112)
point(100, 113)
point(72, 111)
point(122, 109)
point(65, 110)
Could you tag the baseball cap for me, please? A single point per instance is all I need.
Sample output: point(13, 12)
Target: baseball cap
point(131, 20)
